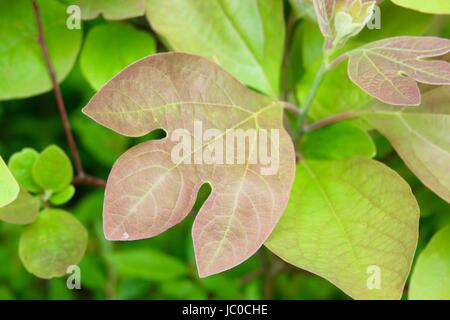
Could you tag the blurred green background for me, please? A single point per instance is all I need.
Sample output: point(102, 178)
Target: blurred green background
point(162, 267)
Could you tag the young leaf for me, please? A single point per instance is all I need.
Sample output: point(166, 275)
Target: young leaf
point(339, 20)
point(388, 69)
point(148, 192)
point(63, 196)
point(21, 165)
point(428, 6)
point(244, 37)
point(421, 136)
point(55, 241)
point(9, 189)
point(336, 142)
point(111, 47)
point(109, 9)
point(53, 169)
point(22, 67)
point(303, 8)
point(354, 222)
point(147, 264)
point(430, 279)
point(23, 210)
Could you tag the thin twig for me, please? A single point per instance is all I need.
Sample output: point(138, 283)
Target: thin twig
point(87, 180)
point(337, 61)
point(57, 90)
point(330, 120)
point(291, 108)
point(81, 177)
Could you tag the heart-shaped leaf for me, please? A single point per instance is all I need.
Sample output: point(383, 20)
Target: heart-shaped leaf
point(353, 222)
point(421, 136)
point(109, 9)
point(245, 37)
point(9, 188)
point(149, 191)
point(430, 280)
point(23, 210)
point(428, 6)
point(388, 69)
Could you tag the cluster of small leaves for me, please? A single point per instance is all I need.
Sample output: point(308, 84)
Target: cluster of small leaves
point(53, 239)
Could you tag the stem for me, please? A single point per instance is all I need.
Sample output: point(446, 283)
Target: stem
point(81, 178)
point(309, 100)
point(292, 22)
point(57, 90)
point(330, 120)
point(88, 180)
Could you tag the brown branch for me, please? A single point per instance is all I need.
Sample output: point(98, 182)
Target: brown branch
point(330, 120)
point(87, 180)
point(81, 178)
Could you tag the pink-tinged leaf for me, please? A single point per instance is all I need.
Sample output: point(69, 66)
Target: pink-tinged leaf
point(147, 192)
point(421, 136)
point(389, 69)
point(324, 12)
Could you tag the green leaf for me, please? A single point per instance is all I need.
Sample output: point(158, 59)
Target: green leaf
point(63, 196)
point(55, 241)
point(53, 169)
point(21, 56)
point(389, 69)
point(107, 145)
point(23, 210)
point(109, 48)
point(21, 165)
point(347, 218)
point(245, 37)
point(421, 136)
point(337, 141)
point(9, 189)
point(427, 6)
point(187, 90)
point(109, 9)
point(182, 290)
point(430, 279)
point(147, 264)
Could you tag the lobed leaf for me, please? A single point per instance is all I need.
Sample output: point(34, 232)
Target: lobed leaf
point(245, 37)
point(421, 137)
point(55, 241)
point(430, 280)
point(388, 69)
point(347, 218)
point(22, 210)
point(9, 189)
point(148, 193)
point(428, 6)
point(109, 48)
point(109, 9)
point(23, 72)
